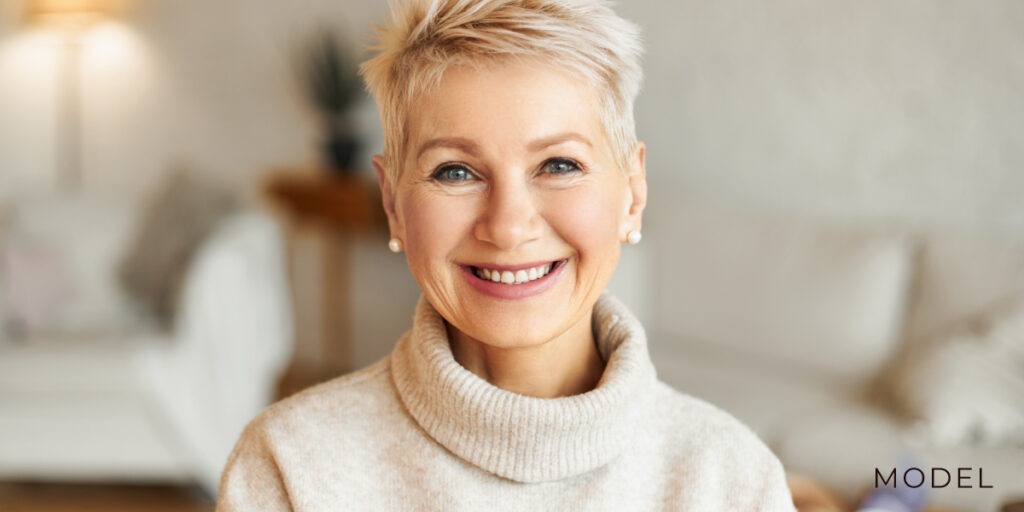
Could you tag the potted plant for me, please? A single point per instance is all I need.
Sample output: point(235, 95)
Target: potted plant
point(329, 74)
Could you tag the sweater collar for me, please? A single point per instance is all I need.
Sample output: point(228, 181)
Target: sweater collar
point(518, 437)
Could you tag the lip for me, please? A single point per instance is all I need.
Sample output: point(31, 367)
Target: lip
point(513, 291)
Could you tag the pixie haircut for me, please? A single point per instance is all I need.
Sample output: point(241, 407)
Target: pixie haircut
point(425, 37)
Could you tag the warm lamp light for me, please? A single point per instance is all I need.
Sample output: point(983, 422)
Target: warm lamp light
point(85, 10)
point(74, 16)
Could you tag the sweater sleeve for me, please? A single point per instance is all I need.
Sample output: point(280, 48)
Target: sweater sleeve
point(774, 494)
point(764, 479)
point(252, 479)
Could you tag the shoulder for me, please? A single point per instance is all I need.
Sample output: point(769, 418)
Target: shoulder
point(344, 401)
point(690, 416)
point(700, 427)
point(328, 428)
point(729, 455)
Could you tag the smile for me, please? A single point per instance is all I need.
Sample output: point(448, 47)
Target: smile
point(516, 277)
point(513, 282)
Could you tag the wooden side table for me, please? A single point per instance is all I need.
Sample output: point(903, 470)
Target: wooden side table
point(324, 212)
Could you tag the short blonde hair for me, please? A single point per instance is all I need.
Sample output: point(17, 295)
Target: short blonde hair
point(425, 37)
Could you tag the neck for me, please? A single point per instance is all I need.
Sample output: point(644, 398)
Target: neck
point(566, 365)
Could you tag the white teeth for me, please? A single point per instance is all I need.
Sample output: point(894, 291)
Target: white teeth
point(514, 277)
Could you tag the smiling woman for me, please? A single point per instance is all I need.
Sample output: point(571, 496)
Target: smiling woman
point(510, 176)
point(514, 173)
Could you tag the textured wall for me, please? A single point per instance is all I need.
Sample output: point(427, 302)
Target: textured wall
point(911, 111)
point(907, 110)
point(870, 108)
point(208, 84)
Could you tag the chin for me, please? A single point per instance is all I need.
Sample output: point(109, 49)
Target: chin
point(513, 334)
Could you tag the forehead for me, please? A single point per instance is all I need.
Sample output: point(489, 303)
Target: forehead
point(505, 104)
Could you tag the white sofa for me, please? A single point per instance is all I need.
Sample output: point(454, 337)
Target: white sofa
point(120, 399)
point(805, 330)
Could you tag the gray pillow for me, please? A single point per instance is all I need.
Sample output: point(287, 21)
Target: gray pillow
point(185, 208)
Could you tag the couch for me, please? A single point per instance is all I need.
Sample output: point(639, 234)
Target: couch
point(823, 337)
point(100, 391)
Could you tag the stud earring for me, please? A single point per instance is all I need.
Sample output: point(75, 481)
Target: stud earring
point(634, 236)
point(395, 245)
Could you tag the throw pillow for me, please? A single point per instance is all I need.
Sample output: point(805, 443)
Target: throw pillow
point(968, 388)
point(182, 212)
point(35, 286)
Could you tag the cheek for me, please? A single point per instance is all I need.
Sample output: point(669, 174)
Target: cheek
point(432, 231)
point(587, 219)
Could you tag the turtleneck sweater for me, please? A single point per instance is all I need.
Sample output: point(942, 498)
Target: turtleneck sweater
point(417, 431)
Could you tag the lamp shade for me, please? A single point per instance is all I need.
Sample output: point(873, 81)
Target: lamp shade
point(68, 9)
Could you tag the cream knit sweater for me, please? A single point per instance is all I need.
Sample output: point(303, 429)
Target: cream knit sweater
point(417, 431)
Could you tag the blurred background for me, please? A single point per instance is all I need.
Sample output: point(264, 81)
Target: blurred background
point(189, 228)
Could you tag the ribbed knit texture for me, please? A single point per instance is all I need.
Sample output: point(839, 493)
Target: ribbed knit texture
point(520, 437)
point(417, 431)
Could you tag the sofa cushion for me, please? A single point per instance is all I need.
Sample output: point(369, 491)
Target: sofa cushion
point(843, 446)
point(822, 300)
point(57, 267)
point(84, 411)
point(766, 398)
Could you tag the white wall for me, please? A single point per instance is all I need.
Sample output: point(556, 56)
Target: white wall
point(911, 111)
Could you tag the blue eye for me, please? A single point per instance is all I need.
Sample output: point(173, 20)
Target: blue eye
point(452, 173)
point(561, 166)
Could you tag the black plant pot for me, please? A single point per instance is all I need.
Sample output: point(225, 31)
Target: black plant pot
point(340, 153)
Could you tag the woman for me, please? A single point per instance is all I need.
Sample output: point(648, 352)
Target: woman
point(511, 175)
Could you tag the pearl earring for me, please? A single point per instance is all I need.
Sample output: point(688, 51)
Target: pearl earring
point(395, 245)
point(634, 236)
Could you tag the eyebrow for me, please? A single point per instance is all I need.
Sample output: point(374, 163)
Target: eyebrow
point(559, 138)
point(468, 146)
point(460, 143)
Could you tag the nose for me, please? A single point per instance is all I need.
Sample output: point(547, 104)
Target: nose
point(510, 216)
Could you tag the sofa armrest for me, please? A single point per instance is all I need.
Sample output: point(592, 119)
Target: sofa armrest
point(232, 337)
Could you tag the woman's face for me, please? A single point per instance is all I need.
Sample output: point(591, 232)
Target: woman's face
point(510, 205)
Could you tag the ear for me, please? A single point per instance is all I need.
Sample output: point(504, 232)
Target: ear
point(387, 195)
point(637, 186)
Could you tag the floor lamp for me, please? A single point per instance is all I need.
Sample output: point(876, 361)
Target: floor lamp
point(71, 18)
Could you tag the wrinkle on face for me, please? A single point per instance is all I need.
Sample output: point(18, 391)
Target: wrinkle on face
point(503, 125)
